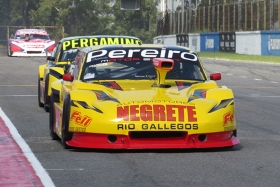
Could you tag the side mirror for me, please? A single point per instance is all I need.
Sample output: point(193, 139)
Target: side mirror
point(12, 36)
point(215, 76)
point(68, 77)
point(51, 58)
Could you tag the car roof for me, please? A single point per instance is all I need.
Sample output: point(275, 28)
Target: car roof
point(32, 31)
point(97, 36)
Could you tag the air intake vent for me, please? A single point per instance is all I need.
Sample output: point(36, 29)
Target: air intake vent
point(156, 134)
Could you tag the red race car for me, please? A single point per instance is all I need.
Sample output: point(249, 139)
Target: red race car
point(30, 42)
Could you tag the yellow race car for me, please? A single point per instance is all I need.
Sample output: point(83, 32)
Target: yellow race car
point(141, 97)
point(64, 54)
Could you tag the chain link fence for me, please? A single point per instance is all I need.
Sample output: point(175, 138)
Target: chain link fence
point(229, 16)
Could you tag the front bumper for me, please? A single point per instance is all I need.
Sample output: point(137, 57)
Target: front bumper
point(26, 54)
point(105, 141)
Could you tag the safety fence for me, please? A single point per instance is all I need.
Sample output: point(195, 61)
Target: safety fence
point(248, 42)
point(229, 16)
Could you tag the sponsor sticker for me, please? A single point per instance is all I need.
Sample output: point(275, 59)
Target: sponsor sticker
point(143, 53)
point(86, 42)
point(31, 31)
point(153, 126)
point(228, 118)
point(157, 112)
point(79, 119)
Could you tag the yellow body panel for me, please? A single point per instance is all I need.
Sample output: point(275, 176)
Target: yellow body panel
point(41, 71)
point(200, 107)
point(141, 96)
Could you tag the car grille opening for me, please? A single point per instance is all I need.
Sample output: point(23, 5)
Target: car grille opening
point(33, 52)
point(156, 134)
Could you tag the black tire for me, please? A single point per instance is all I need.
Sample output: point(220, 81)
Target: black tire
point(235, 133)
point(9, 52)
point(39, 94)
point(46, 97)
point(52, 120)
point(66, 135)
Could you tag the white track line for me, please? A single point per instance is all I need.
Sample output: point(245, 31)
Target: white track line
point(40, 171)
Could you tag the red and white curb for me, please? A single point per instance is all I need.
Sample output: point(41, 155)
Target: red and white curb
point(18, 165)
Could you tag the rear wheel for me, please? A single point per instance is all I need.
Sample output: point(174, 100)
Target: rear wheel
point(52, 121)
point(46, 97)
point(66, 135)
point(39, 94)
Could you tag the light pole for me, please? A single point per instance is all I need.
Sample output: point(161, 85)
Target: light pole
point(190, 14)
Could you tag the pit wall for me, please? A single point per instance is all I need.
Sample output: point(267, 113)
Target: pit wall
point(250, 43)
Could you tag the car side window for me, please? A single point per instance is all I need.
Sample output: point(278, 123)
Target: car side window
point(54, 52)
point(58, 49)
point(78, 64)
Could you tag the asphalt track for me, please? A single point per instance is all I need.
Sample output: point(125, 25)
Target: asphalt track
point(255, 162)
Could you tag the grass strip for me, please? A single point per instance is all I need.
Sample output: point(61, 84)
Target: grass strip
point(239, 57)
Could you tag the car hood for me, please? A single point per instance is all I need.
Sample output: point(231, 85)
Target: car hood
point(31, 41)
point(132, 101)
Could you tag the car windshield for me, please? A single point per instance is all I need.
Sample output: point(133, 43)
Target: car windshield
point(68, 55)
point(38, 36)
point(139, 70)
point(33, 36)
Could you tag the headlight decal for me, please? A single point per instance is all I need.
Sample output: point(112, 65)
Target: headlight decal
point(104, 97)
point(112, 84)
point(222, 104)
point(85, 105)
point(73, 104)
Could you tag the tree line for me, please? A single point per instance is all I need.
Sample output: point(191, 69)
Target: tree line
point(82, 17)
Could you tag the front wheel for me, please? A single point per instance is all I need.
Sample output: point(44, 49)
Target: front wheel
point(46, 97)
point(39, 94)
point(52, 120)
point(9, 52)
point(66, 135)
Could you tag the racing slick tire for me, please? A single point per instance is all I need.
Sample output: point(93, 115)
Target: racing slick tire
point(235, 133)
point(46, 97)
point(39, 94)
point(65, 134)
point(9, 52)
point(52, 120)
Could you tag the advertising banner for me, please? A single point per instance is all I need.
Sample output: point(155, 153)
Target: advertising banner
point(227, 41)
point(209, 42)
point(182, 40)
